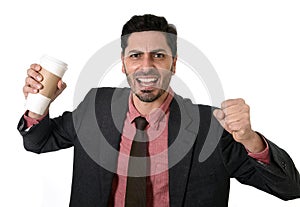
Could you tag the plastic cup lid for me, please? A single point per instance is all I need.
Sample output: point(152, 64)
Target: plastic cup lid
point(54, 65)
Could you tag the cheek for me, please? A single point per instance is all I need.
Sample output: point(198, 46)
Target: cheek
point(131, 67)
point(168, 65)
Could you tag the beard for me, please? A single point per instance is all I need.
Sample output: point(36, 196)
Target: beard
point(149, 96)
point(149, 85)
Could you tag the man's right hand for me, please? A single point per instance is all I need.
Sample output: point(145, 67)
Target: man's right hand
point(33, 85)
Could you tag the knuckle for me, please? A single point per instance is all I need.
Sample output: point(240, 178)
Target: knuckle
point(227, 120)
point(30, 72)
point(223, 104)
point(26, 89)
point(247, 107)
point(27, 79)
point(33, 65)
point(241, 100)
point(225, 111)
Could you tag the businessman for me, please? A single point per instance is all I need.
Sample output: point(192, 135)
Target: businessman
point(157, 135)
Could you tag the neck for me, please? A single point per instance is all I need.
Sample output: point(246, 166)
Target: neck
point(146, 107)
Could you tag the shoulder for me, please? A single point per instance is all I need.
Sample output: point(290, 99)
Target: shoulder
point(102, 96)
point(108, 91)
point(105, 93)
point(190, 107)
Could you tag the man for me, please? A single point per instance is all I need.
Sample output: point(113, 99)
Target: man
point(174, 132)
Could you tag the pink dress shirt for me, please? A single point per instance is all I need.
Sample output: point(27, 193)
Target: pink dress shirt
point(157, 131)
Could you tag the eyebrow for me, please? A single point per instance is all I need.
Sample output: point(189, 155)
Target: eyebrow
point(153, 51)
point(134, 51)
point(159, 50)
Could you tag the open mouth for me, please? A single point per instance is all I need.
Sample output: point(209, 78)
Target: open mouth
point(147, 81)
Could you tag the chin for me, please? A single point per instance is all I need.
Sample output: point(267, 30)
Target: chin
point(149, 96)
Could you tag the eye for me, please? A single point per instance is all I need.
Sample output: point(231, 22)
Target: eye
point(135, 55)
point(159, 55)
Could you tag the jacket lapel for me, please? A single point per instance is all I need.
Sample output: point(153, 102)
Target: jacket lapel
point(116, 115)
point(182, 128)
point(111, 116)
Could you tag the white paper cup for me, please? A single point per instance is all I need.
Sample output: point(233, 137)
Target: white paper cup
point(52, 71)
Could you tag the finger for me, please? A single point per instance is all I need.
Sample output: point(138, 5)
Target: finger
point(36, 67)
point(232, 118)
point(225, 126)
point(243, 124)
point(33, 83)
point(236, 117)
point(238, 134)
point(231, 102)
point(27, 89)
point(219, 114)
point(235, 126)
point(36, 75)
point(234, 109)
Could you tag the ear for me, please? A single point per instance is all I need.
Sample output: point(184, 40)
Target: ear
point(123, 63)
point(174, 65)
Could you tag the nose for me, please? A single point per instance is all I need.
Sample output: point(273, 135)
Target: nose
point(147, 61)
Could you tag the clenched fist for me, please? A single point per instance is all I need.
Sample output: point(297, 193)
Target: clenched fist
point(234, 116)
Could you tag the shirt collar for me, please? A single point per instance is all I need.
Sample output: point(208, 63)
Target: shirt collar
point(156, 115)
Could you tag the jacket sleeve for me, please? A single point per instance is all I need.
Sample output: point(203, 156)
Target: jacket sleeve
point(53, 134)
point(279, 178)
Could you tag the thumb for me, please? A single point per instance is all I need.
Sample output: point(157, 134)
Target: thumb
point(220, 115)
point(61, 85)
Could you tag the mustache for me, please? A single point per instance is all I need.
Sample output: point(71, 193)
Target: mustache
point(146, 72)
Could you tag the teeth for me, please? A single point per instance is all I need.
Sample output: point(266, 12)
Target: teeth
point(147, 80)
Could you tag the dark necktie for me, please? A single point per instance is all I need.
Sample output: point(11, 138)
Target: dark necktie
point(136, 189)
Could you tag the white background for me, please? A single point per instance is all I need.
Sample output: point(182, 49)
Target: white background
point(253, 45)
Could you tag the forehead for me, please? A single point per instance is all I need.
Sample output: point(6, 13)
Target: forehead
point(147, 41)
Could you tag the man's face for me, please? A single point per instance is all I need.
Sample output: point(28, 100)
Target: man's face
point(148, 64)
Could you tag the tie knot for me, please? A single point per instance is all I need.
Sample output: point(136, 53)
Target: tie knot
point(140, 123)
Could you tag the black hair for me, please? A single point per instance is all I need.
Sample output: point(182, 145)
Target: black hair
point(149, 22)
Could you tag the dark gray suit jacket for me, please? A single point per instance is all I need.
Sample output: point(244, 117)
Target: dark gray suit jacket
point(94, 130)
